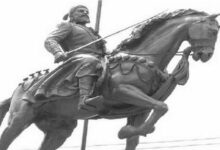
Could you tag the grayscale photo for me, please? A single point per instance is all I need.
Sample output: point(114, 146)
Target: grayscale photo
point(109, 75)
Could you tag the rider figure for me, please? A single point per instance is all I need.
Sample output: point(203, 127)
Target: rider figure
point(74, 34)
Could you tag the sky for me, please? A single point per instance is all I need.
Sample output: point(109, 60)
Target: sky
point(193, 108)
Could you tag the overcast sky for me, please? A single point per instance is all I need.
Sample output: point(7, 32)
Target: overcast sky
point(193, 108)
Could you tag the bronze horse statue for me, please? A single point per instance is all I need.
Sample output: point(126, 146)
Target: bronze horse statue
point(134, 85)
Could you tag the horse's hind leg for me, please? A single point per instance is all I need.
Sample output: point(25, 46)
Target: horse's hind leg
point(56, 132)
point(18, 121)
point(4, 107)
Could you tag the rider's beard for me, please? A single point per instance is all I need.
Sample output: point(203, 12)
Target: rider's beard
point(83, 20)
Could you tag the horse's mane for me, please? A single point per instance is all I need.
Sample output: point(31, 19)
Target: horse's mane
point(150, 25)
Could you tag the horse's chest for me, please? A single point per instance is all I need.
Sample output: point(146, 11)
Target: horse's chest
point(149, 77)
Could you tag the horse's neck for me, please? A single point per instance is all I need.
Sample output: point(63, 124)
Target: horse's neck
point(162, 45)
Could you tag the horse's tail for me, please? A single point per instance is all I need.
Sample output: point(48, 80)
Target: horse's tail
point(4, 107)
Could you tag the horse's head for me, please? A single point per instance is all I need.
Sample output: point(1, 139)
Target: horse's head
point(202, 35)
point(160, 38)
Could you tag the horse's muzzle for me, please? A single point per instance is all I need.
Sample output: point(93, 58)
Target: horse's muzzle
point(203, 54)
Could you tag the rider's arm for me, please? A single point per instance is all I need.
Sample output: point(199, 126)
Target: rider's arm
point(52, 43)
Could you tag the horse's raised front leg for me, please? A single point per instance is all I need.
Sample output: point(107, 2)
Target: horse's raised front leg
point(18, 121)
point(135, 121)
point(132, 95)
point(56, 132)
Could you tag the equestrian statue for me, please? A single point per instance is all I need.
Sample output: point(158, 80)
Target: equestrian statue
point(130, 82)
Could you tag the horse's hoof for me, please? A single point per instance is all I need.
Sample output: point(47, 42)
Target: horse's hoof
point(151, 130)
point(127, 132)
point(148, 132)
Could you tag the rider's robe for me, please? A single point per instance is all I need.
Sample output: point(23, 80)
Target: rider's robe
point(63, 81)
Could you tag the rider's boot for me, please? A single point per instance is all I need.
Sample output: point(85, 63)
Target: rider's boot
point(86, 88)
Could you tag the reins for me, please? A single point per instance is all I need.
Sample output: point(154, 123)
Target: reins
point(180, 53)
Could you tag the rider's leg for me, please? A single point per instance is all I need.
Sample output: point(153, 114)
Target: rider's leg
point(87, 76)
point(86, 88)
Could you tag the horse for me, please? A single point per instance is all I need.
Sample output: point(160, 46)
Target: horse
point(134, 84)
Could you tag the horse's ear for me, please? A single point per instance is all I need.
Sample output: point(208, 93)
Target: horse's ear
point(213, 16)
